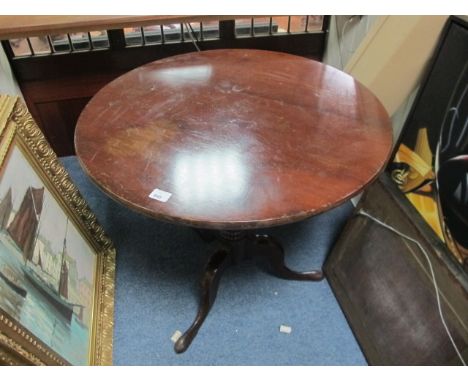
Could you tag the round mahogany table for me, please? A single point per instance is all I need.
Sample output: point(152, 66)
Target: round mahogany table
point(228, 141)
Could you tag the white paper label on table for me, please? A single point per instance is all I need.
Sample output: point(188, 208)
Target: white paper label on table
point(162, 196)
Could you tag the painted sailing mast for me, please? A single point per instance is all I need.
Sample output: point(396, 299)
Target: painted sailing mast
point(63, 279)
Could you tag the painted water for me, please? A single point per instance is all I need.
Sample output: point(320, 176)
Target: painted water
point(34, 312)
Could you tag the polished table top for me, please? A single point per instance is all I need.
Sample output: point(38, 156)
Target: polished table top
point(239, 138)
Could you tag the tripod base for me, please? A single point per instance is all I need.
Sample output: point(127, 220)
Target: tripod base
point(236, 246)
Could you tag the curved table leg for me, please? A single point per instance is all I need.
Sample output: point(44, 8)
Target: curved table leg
point(209, 289)
point(272, 252)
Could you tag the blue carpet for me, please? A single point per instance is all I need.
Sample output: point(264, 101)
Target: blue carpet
point(158, 267)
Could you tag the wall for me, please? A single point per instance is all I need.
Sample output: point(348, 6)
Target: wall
point(8, 84)
point(345, 35)
point(393, 55)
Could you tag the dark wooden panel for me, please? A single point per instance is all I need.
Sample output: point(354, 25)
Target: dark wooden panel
point(60, 118)
point(69, 87)
point(47, 67)
point(383, 285)
point(55, 105)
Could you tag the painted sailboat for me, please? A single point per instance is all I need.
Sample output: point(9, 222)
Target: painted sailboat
point(24, 231)
point(57, 295)
point(6, 273)
point(24, 225)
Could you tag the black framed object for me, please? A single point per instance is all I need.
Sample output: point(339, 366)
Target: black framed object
point(430, 162)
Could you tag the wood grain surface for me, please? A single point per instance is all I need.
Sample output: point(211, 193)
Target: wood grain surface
point(240, 138)
point(38, 25)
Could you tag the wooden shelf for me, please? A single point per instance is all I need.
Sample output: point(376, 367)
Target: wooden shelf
point(26, 26)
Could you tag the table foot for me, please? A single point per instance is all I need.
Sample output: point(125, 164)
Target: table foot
point(272, 253)
point(209, 289)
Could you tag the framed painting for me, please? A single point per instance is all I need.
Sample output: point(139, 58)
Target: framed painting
point(57, 266)
point(430, 163)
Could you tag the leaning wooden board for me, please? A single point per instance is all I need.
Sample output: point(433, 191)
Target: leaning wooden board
point(383, 285)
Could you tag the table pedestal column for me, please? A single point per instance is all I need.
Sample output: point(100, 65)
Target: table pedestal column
point(236, 246)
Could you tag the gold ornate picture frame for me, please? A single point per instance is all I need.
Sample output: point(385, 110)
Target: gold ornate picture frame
point(57, 266)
